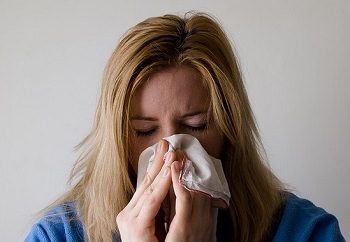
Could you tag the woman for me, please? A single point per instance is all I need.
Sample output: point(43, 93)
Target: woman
point(172, 75)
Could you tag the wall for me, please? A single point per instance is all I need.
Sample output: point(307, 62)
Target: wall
point(294, 56)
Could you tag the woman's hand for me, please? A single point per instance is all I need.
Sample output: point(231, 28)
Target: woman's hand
point(193, 218)
point(191, 215)
point(142, 218)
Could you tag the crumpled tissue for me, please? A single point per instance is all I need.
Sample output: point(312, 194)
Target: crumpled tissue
point(200, 172)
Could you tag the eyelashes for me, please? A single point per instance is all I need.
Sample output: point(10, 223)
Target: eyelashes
point(188, 128)
point(197, 128)
point(140, 133)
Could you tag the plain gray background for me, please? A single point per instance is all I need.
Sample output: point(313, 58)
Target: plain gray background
point(294, 56)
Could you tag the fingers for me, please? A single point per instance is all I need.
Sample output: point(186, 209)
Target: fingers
point(151, 200)
point(155, 186)
point(194, 217)
point(155, 194)
point(183, 206)
point(152, 172)
point(138, 221)
point(162, 148)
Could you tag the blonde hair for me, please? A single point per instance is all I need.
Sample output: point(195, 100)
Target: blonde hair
point(103, 175)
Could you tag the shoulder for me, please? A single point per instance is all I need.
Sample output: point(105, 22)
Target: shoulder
point(303, 221)
point(59, 224)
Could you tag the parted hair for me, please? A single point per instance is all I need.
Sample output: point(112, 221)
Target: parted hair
point(102, 178)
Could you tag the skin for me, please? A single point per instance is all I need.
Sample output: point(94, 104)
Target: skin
point(172, 101)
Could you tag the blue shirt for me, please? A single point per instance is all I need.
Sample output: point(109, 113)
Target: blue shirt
point(301, 221)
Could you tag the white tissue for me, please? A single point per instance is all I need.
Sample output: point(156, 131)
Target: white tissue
point(200, 171)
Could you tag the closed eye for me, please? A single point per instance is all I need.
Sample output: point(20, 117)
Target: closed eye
point(144, 133)
point(197, 128)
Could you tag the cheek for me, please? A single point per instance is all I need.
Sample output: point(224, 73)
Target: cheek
point(137, 145)
point(213, 144)
point(135, 150)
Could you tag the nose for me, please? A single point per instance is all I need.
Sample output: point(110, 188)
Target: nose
point(170, 129)
point(169, 132)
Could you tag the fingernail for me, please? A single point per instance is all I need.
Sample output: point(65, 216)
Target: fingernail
point(177, 166)
point(159, 146)
point(168, 158)
point(166, 171)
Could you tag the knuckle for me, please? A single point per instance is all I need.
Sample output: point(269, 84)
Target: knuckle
point(147, 181)
point(148, 191)
point(151, 200)
point(121, 218)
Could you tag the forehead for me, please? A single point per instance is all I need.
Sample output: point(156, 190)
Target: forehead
point(180, 87)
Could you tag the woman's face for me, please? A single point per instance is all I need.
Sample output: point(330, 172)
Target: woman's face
point(172, 101)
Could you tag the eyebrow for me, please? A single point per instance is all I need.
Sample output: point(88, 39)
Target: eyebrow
point(187, 115)
point(143, 118)
point(196, 113)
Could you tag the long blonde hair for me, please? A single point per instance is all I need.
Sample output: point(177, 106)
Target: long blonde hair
point(102, 175)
